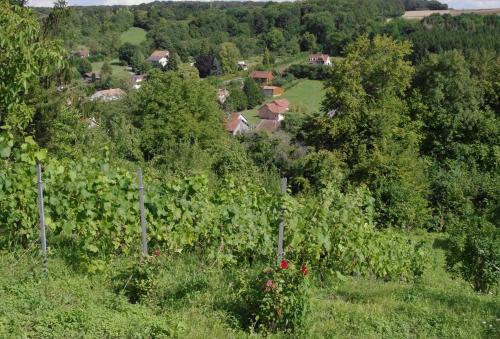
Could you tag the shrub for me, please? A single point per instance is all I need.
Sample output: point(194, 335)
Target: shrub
point(474, 253)
point(138, 280)
point(312, 72)
point(278, 300)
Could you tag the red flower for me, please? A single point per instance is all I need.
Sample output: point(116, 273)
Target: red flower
point(284, 264)
point(304, 269)
point(156, 253)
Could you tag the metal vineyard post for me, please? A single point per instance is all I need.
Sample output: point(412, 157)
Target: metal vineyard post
point(282, 225)
point(42, 217)
point(143, 218)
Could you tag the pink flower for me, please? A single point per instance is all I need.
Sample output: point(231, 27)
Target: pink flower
point(270, 285)
point(284, 264)
point(304, 269)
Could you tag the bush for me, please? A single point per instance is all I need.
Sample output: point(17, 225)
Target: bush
point(312, 72)
point(138, 280)
point(474, 253)
point(278, 300)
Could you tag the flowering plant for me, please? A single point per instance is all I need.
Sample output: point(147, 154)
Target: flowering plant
point(279, 299)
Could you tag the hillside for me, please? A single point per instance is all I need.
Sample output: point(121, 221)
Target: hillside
point(143, 196)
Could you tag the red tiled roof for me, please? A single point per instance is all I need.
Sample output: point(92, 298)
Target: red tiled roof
point(278, 106)
point(232, 123)
point(268, 125)
point(261, 75)
point(157, 55)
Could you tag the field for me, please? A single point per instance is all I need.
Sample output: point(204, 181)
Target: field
point(195, 299)
point(133, 35)
point(418, 15)
point(305, 97)
point(119, 71)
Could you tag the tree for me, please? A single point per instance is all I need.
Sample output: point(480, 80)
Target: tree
point(173, 62)
point(83, 65)
point(253, 93)
point(274, 39)
point(237, 100)
point(460, 135)
point(366, 120)
point(28, 62)
point(106, 70)
point(127, 52)
point(177, 117)
point(228, 55)
point(308, 42)
point(267, 58)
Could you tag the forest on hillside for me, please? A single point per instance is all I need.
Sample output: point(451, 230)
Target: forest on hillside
point(390, 147)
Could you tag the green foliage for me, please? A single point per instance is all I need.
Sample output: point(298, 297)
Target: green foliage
point(267, 58)
point(83, 65)
point(91, 213)
point(367, 123)
point(106, 70)
point(474, 253)
point(253, 93)
point(174, 113)
point(128, 53)
point(237, 100)
point(278, 299)
point(228, 56)
point(138, 280)
point(28, 60)
point(173, 62)
point(308, 42)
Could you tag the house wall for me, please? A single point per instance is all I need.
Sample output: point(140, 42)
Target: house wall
point(265, 113)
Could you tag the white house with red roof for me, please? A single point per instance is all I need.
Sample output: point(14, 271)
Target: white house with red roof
point(320, 59)
point(236, 123)
point(159, 58)
point(274, 110)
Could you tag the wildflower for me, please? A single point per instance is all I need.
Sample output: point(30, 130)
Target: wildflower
point(284, 264)
point(304, 269)
point(156, 252)
point(270, 285)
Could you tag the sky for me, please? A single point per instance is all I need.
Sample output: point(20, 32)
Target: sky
point(457, 4)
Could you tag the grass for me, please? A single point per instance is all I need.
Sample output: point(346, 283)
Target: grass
point(133, 35)
point(119, 71)
point(197, 300)
point(305, 98)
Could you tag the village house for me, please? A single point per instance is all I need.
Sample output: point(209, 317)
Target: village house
point(274, 110)
point(320, 59)
point(91, 76)
point(137, 80)
point(107, 95)
point(272, 91)
point(269, 126)
point(236, 123)
point(263, 77)
point(159, 58)
point(83, 53)
point(242, 65)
